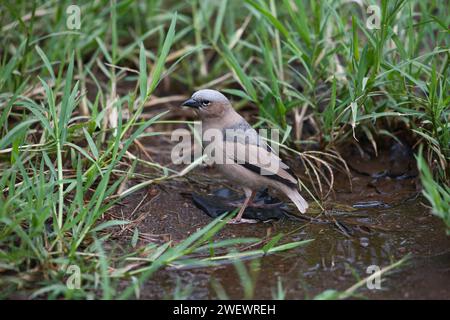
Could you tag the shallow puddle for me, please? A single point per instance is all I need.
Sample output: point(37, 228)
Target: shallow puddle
point(375, 223)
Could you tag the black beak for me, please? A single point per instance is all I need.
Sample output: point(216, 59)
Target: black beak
point(191, 103)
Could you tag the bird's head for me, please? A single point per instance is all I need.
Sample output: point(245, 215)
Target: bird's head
point(208, 103)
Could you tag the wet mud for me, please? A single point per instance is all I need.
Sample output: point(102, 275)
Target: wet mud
point(376, 220)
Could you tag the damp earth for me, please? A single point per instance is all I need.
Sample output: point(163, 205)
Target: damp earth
point(375, 218)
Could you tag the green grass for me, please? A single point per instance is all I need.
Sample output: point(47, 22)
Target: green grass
point(352, 292)
point(72, 104)
point(437, 195)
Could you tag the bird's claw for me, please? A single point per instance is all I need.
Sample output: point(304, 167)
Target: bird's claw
point(238, 221)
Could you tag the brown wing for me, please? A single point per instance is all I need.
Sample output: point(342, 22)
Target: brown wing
point(259, 160)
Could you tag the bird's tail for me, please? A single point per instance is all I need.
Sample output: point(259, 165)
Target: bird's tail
point(296, 198)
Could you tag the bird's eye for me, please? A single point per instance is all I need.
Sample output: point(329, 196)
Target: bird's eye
point(205, 102)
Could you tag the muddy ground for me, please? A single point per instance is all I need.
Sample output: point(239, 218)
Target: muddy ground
point(381, 218)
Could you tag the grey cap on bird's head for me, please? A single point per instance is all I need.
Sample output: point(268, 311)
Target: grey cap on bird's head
point(248, 162)
point(203, 98)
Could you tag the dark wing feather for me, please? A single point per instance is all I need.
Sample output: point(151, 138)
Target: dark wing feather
point(275, 177)
point(261, 161)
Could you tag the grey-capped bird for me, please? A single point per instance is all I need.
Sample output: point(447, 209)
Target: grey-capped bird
point(250, 163)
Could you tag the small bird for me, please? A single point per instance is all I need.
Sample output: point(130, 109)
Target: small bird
point(250, 162)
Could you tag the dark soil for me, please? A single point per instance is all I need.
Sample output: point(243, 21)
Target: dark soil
point(380, 219)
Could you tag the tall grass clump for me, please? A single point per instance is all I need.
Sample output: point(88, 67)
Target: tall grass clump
point(63, 166)
point(318, 70)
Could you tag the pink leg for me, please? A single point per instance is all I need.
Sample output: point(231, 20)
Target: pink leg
point(249, 197)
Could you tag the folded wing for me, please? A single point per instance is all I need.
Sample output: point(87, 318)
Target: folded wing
point(259, 159)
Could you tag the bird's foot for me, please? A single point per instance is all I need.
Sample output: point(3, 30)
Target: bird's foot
point(241, 220)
